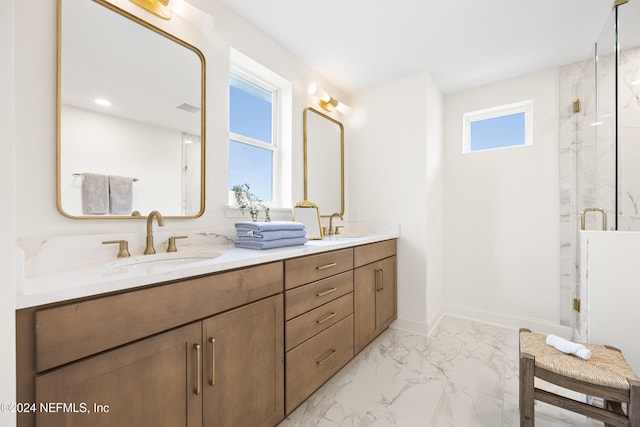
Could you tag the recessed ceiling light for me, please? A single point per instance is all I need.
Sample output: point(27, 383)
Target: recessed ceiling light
point(103, 102)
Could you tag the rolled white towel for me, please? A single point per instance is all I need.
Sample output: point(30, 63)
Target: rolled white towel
point(569, 347)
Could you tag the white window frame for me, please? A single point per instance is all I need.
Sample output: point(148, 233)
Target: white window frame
point(525, 107)
point(281, 143)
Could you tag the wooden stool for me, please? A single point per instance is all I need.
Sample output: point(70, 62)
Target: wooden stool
point(606, 375)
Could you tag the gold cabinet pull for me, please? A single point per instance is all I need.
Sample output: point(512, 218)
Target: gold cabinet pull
point(327, 292)
point(325, 318)
point(324, 267)
point(377, 280)
point(196, 347)
point(212, 381)
point(381, 272)
point(327, 357)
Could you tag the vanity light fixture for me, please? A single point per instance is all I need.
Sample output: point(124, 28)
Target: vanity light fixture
point(157, 7)
point(188, 12)
point(326, 101)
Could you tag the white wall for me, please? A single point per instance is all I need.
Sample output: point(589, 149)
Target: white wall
point(7, 215)
point(395, 173)
point(502, 211)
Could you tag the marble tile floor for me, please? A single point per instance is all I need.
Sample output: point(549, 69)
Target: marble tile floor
point(464, 375)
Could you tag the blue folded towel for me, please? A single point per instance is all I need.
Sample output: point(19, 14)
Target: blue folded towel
point(269, 244)
point(270, 225)
point(245, 233)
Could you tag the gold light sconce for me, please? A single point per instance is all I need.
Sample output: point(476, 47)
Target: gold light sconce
point(202, 20)
point(326, 101)
point(157, 7)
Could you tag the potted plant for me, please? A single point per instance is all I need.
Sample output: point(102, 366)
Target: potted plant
point(246, 200)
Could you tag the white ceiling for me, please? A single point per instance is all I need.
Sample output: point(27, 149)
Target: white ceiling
point(356, 44)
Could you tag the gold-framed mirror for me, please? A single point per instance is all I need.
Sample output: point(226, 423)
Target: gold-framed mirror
point(308, 213)
point(149, 144)
point(323, 161)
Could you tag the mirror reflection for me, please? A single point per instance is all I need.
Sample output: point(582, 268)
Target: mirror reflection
point(324, 161)
point(130, 116)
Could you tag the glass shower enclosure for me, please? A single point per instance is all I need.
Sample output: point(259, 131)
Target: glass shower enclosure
point(600, 144)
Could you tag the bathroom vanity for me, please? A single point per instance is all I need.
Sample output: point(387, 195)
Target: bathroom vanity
point(241, 346)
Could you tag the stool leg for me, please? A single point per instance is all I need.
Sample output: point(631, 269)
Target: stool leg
point(633, 409)
point(527, 393)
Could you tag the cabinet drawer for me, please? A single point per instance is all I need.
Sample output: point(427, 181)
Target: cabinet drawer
point(312, 363)
point(311, 323)
point(298, 271)
point(366, 254)
point(72, 331)
point(308, 297)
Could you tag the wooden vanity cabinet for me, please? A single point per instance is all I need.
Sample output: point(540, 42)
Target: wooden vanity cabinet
point(202, 351)
point(151, 382)
point(375, 290)
point(239, 348)
point(319, 321)
point(243, 366)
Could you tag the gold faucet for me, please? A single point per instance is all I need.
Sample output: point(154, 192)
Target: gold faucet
point(331, 231)
point(155, 214)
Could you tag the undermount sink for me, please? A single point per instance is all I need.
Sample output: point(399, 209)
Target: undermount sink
point(346, 236)
point(161, 262)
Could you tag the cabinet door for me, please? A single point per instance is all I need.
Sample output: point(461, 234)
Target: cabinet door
point(244, 366)
point(386, 297)
point(375, 301)
point(152, 382)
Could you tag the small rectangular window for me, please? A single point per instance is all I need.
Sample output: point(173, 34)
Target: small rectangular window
point(498, 127)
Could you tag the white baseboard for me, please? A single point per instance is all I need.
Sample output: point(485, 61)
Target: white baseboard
point(411, 325)
point(508, 320)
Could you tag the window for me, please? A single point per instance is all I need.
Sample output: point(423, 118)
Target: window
point(498, 127)
point(252, 143)
point(259, 131)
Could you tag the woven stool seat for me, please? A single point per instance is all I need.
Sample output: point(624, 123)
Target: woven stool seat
point(606, 376)
point(607, 367)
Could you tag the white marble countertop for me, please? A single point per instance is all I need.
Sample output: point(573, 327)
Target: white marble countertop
point(100, 278)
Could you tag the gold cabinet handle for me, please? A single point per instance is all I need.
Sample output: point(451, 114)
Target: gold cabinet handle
point(377, 280)
point(212, 381)
point(324, 267)
point(381, 272)
point(325, 318)
point(198, 368)
point(327, 357)
point(327, 292)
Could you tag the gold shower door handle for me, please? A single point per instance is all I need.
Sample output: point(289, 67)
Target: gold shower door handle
point(198, 388)
point(212, 381)
point(584, 213)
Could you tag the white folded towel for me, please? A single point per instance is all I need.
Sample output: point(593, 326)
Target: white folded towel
point(569, 347)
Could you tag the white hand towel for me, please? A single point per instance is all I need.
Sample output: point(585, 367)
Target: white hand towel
point(569, 347)
point(95, 194)
point(120, 195)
